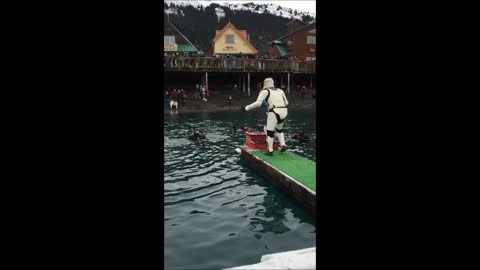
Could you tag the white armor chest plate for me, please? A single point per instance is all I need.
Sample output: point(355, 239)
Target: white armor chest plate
point(275, 99)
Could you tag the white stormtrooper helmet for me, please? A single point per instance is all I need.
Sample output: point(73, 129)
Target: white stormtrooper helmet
point(268, 83)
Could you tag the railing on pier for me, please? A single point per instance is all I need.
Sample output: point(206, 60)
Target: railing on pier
point(237, 65)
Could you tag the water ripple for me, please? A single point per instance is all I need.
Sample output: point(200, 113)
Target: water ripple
point(214, 202)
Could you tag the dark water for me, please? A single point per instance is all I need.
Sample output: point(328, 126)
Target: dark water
point(218, 212)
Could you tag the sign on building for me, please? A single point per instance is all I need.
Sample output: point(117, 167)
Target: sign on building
point(170, 47)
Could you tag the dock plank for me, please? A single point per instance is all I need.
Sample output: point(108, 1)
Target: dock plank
point(303, 189)
point(297, 167)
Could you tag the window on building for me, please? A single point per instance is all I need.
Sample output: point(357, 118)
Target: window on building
point(169, 39)
point(311, 39)
point(229, 39)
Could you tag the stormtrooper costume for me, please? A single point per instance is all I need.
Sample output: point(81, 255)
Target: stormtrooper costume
point(277, 112)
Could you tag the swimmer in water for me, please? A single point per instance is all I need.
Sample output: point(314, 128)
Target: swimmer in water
point(243, 129)
point(196, 135)
point(301, 136)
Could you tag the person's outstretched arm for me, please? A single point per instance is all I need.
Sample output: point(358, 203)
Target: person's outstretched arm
point(261, 97)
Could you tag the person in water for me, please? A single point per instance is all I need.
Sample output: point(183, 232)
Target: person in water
point(243, 129)
point(301, 136)
point(277, 112)
point(196, 135)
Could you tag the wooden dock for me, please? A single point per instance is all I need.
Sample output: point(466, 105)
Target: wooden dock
point(212, 64)
point(244, 68)
point(294, 175)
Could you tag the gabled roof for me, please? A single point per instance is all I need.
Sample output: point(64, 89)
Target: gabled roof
point(186, 48)
point(244, 33)
point(295, 20)
point(298, 29)
point(282, 49)
point(241, 33)
point(171, 24)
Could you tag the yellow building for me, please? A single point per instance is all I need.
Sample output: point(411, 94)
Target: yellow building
point(230, 40)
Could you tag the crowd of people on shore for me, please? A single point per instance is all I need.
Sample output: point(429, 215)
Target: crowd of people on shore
point(177, 97)
point(201, 93)
point(173, 97)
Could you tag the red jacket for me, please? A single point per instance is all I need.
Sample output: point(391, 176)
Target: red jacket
point(173, 96)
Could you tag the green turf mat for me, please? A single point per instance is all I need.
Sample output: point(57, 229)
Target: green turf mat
point(293, 165)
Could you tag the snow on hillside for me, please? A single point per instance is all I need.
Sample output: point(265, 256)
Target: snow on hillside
point(255, 8)
point(272, 9)
point(184, 3)
point(220, 13)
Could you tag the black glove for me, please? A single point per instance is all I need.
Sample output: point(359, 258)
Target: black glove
point(242, 109)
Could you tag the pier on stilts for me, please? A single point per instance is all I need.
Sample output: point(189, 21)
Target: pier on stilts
point(243, 69)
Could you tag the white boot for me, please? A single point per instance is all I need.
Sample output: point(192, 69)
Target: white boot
point(270, 145)
point(281, 139)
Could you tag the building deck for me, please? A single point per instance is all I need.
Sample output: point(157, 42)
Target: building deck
point(211, 64)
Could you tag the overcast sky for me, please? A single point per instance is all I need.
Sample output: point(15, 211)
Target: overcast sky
point(308, 5)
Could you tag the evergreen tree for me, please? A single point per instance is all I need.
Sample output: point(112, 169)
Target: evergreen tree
point(199, 25)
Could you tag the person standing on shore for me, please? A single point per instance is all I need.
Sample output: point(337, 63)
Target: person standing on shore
point(277, 112)
point(197, 89)
point(201, 91)
point(206, 91)
point(173, 100)
point(173, 94)
point(183, 97)
point(167, 98)
point(304, 91)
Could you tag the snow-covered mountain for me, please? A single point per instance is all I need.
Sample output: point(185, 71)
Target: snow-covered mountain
point(198, 20)
point(269, 8)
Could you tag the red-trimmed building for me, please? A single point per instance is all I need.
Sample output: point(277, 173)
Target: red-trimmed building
point(299, 42)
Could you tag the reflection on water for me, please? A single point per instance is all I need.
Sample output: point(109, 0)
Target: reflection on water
point(218, 212)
